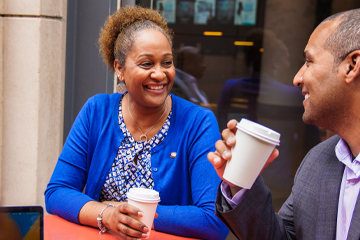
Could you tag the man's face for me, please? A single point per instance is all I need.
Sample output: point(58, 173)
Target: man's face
point(320, 82)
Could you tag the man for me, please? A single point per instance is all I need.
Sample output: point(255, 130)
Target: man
point(323, 203)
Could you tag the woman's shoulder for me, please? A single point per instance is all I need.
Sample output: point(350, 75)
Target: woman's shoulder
point(104, 97)
point(103, 101)
point(100, 106)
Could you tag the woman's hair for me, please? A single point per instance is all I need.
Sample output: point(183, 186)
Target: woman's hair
point(121, 29)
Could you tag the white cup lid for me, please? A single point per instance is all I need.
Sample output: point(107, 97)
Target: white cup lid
point(259, 131)
point(143, 195)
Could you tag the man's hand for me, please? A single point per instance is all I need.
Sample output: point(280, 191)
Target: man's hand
point(223, 153)
point(223, 149)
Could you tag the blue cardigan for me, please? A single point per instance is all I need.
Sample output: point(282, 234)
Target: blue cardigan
point(187, 183)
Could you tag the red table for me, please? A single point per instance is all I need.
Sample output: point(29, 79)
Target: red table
point(56, 228)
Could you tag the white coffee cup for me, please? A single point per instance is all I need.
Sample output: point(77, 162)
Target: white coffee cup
point(146, 200)
point(254, 144)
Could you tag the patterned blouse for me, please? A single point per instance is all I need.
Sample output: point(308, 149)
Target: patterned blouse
point(124, 173)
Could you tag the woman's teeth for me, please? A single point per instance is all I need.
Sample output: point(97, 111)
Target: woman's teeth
point(156, 87)
point(307, 96)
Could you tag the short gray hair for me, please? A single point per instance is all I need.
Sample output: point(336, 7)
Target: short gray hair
point(346, 36)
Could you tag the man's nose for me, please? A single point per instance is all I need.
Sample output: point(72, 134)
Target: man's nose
point(298, 79)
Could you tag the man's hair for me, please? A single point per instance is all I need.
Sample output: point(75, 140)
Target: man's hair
point(346, 36)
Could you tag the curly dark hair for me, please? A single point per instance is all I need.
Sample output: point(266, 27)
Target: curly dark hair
point(121, 28)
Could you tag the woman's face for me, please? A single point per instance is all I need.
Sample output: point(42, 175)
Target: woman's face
point(149, 71)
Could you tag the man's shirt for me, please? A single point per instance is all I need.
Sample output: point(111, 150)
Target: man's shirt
point(349, 190)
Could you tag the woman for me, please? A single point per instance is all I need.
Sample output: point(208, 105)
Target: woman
point(142, 138)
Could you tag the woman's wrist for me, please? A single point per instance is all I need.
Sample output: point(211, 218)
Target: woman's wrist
point(103, 218)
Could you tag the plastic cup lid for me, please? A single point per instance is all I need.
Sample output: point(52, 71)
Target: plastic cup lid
point(259, 131)
point(143, 195)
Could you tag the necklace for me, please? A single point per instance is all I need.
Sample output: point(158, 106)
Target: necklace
point(143, 135)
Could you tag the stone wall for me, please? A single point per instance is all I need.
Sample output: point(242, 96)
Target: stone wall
point(32, 72)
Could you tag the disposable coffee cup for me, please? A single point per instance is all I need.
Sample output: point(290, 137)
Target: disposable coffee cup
point(254, 145)
point(146, 200)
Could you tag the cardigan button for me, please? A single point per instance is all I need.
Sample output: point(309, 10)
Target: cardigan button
point(155, 169)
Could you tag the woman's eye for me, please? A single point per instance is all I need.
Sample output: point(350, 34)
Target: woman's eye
point(307, 62)
point(168, 63)
point(146, 64)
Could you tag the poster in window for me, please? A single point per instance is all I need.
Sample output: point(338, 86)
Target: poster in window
point(167, 9)
point(185, 12)
point(245, 12)
point(225, 11)
point(204, 11)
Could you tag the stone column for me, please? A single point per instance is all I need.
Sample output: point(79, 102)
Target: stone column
point(1, 93)
point(32, 74)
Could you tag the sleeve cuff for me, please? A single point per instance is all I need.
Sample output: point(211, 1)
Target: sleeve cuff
point(235, 200)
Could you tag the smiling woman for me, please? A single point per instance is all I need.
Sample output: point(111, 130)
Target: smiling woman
point(148, 74)
point(142, 138)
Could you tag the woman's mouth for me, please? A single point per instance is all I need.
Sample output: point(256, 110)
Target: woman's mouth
point(158, 87)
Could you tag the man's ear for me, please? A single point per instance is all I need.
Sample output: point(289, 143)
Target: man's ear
point(119, 70)
point(352, 64)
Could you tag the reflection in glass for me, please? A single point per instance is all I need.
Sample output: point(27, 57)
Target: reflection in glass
point(262, 98)
point(255, 81)
point(190, 68)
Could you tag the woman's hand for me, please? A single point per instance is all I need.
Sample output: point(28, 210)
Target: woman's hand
point(122, 222)
point(119, 203)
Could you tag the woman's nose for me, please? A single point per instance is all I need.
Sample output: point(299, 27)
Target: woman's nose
point(158, 74)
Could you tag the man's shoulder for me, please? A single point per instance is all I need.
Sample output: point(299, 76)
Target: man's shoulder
point(329, 143)
point(321, 155)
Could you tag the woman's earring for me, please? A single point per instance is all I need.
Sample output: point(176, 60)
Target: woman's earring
point(121, 87)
